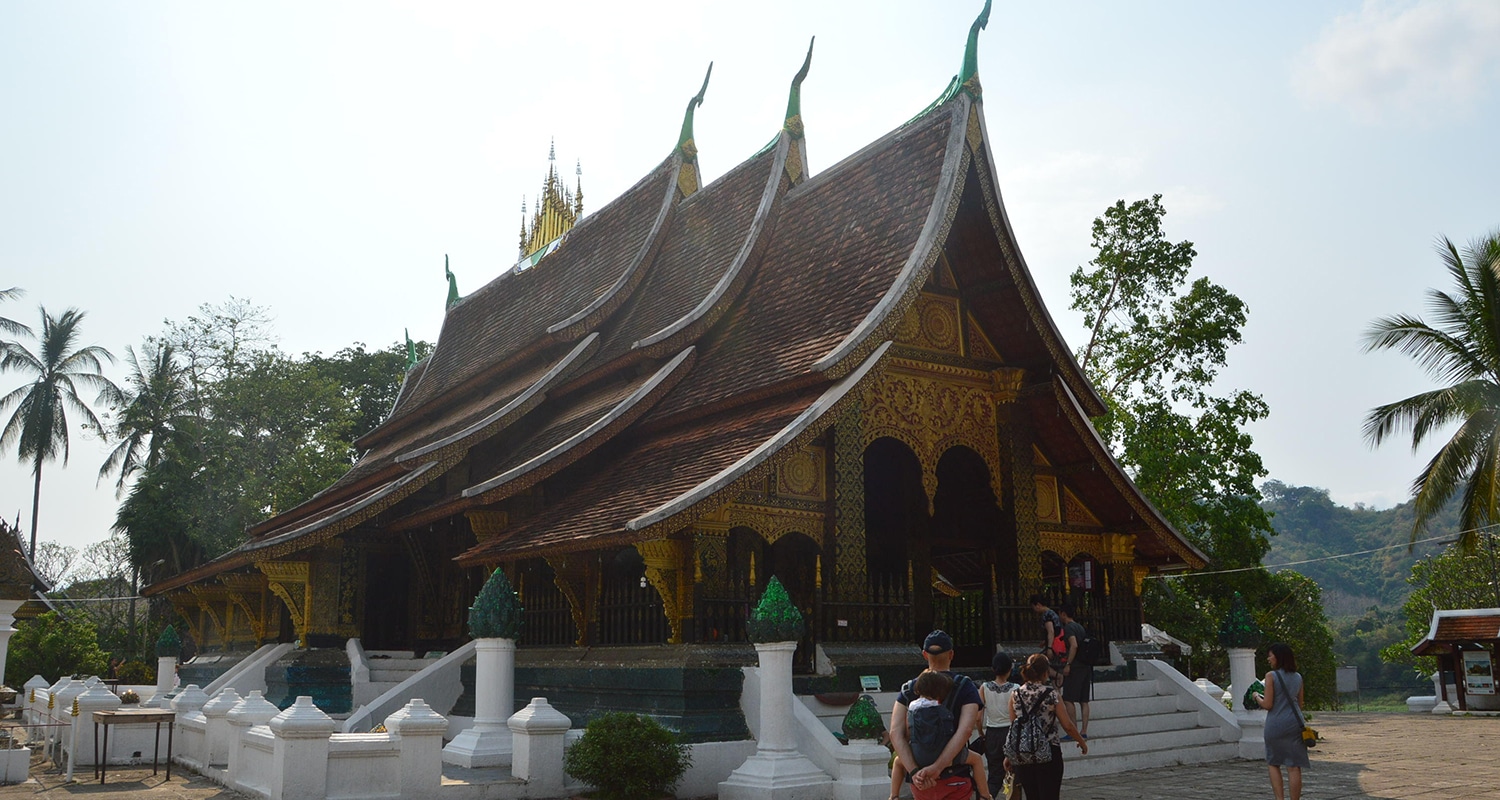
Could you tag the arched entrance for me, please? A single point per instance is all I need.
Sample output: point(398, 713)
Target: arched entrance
point(969, 553)
point(896, 530)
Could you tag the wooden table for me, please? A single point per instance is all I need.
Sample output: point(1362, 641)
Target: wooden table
point(137, 716)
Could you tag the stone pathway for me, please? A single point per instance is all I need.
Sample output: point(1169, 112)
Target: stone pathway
point(1363, 755)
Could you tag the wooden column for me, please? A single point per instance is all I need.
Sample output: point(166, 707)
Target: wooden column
point(1015, 434)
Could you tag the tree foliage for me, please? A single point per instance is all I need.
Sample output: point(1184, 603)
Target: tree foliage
point(53, 645)
point(1458, 577)
point(1461, 351)
point(229, 430)
point(1157, 342)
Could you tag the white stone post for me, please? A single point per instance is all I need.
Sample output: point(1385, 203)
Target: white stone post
point(33, 686)
point(301, 756)
point(7, 629)
point(253, 710)
point(166, 673)
point(863, 771)
point(488, 743)
point(95, 698)
point(1241, 674)
point(777, 771)
point(420, 732)
point(61, 711)
point(539, 733)
point(188, 704)
point(190, 700)
point(219, 731)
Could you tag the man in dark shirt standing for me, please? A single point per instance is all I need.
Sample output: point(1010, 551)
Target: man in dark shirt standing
point(964, 701)
point(1078, 677)
point(1052, 628)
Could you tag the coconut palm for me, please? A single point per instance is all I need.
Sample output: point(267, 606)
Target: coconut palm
point(1461, 351)
point(155, 404)
point(10, 326)
point(39, 427)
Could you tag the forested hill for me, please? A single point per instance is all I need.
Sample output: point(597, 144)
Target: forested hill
point(1310, 525)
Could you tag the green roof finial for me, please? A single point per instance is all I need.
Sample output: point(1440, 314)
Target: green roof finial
point(685, 140)
point(411, 351)
point(1239, 628)
point(168, 645)
point(793, 123)
point(452, 283)
point(775, 618)
point(496, 613)
point(970, 71)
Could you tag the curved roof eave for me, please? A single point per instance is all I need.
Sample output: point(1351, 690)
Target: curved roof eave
point(717, 302)
point(881, 320)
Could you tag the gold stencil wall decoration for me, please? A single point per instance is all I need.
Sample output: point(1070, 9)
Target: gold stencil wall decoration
point(1072, 545)
point(932, 408)
point(803, 475)
point(773, 523)
point(1046, 499)
point(1076, 513)
point(850, 566)
point(932, 323)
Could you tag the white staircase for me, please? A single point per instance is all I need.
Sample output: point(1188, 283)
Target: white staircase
point(388, 669)
point(1143, 724)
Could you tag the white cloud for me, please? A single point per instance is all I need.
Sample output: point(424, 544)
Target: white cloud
point(1410, 60)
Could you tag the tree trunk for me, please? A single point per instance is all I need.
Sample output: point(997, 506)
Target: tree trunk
point(36, 501)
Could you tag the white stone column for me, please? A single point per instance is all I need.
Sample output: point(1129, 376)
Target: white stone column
point(301, 756)
point(81, 743)
point(1241, 673)
point(220, 732)
point(7, 629)
point(777, 771)
point(488, 742)
point(166, 673)
point(253, 710)
point(539, 733)
point(420, 731)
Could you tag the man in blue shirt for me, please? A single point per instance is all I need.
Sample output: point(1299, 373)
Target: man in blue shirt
point(964, 700)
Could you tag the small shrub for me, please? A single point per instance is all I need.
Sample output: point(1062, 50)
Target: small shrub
point(627, 757)
point(130, 698)
point(136, 673)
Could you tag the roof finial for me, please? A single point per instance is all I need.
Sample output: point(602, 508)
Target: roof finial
point(685, 140)
point(552, 150)
point(578, 191)
point(970, 71)
point(793, 122)
point(411, 351)
point(452, 283)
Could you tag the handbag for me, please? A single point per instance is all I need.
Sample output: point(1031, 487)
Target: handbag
point(1309, 734)
point(1027, 741)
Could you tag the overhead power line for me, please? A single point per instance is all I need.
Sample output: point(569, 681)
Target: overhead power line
point(1447, 536)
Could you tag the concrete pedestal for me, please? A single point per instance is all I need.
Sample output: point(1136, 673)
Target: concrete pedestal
point(7, 629)
point(488, 742)
point(166, 679)
point(1241, 675)
point(776, 771)
point(863, 772)
point(1252, 733)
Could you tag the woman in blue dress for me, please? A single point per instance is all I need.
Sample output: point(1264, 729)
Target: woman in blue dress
point(1283, 701)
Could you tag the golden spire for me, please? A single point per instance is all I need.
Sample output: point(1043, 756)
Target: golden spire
point(556, 210)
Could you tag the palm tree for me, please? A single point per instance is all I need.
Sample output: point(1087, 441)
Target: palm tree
point(1461, 352)
point(155, 404)
point(39, 426)
point(10, 326)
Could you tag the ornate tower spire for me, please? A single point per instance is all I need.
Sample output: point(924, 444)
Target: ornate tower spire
point(578, 190)
point(453, 297)
point(555, 213)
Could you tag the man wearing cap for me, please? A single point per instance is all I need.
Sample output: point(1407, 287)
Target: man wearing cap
point(964, 700)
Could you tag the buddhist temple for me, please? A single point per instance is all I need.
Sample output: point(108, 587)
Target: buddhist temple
point(845, 379)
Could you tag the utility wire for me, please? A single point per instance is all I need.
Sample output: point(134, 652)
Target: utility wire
point(1320, 558)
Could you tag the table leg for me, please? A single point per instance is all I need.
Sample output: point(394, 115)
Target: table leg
point(156, 748)
point(96, 749)
point(170, 729)
point(104, 760)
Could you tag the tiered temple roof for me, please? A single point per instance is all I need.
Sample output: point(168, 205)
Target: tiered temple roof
point(681, 339)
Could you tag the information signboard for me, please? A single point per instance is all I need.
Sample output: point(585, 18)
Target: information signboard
point(1479, 672)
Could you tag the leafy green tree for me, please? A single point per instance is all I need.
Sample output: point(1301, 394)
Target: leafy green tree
point(1156, 344)
point(1461, 352)
point(1459, 577)
point(53, 645)
point(368, 379)
point(38, 428)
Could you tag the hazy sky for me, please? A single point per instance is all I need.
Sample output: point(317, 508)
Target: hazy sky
point(320, 158)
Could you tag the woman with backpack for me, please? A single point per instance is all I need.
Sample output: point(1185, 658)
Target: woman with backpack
point(1284, 723)
point(1032, 749)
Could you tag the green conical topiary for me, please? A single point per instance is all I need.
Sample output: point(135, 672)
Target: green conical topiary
point(863, 720)
point(1239, 628)
point(775, 618)
point(168, 645)
point(496, 613)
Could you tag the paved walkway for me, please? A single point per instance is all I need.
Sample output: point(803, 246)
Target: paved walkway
point(1364, 755)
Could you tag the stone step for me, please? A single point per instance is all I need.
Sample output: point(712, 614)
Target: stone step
point(1133, 707)
point(391, 675)
point(1082, 766)
point(1102, 746)
point(1119, 690)
point(1148, 723)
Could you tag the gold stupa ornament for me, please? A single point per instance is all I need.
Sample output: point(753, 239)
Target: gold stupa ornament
point(556, 211)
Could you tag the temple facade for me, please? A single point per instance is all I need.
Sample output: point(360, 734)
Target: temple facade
point(846, 379)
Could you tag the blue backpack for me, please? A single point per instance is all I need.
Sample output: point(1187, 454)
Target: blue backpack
point(930, 729)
